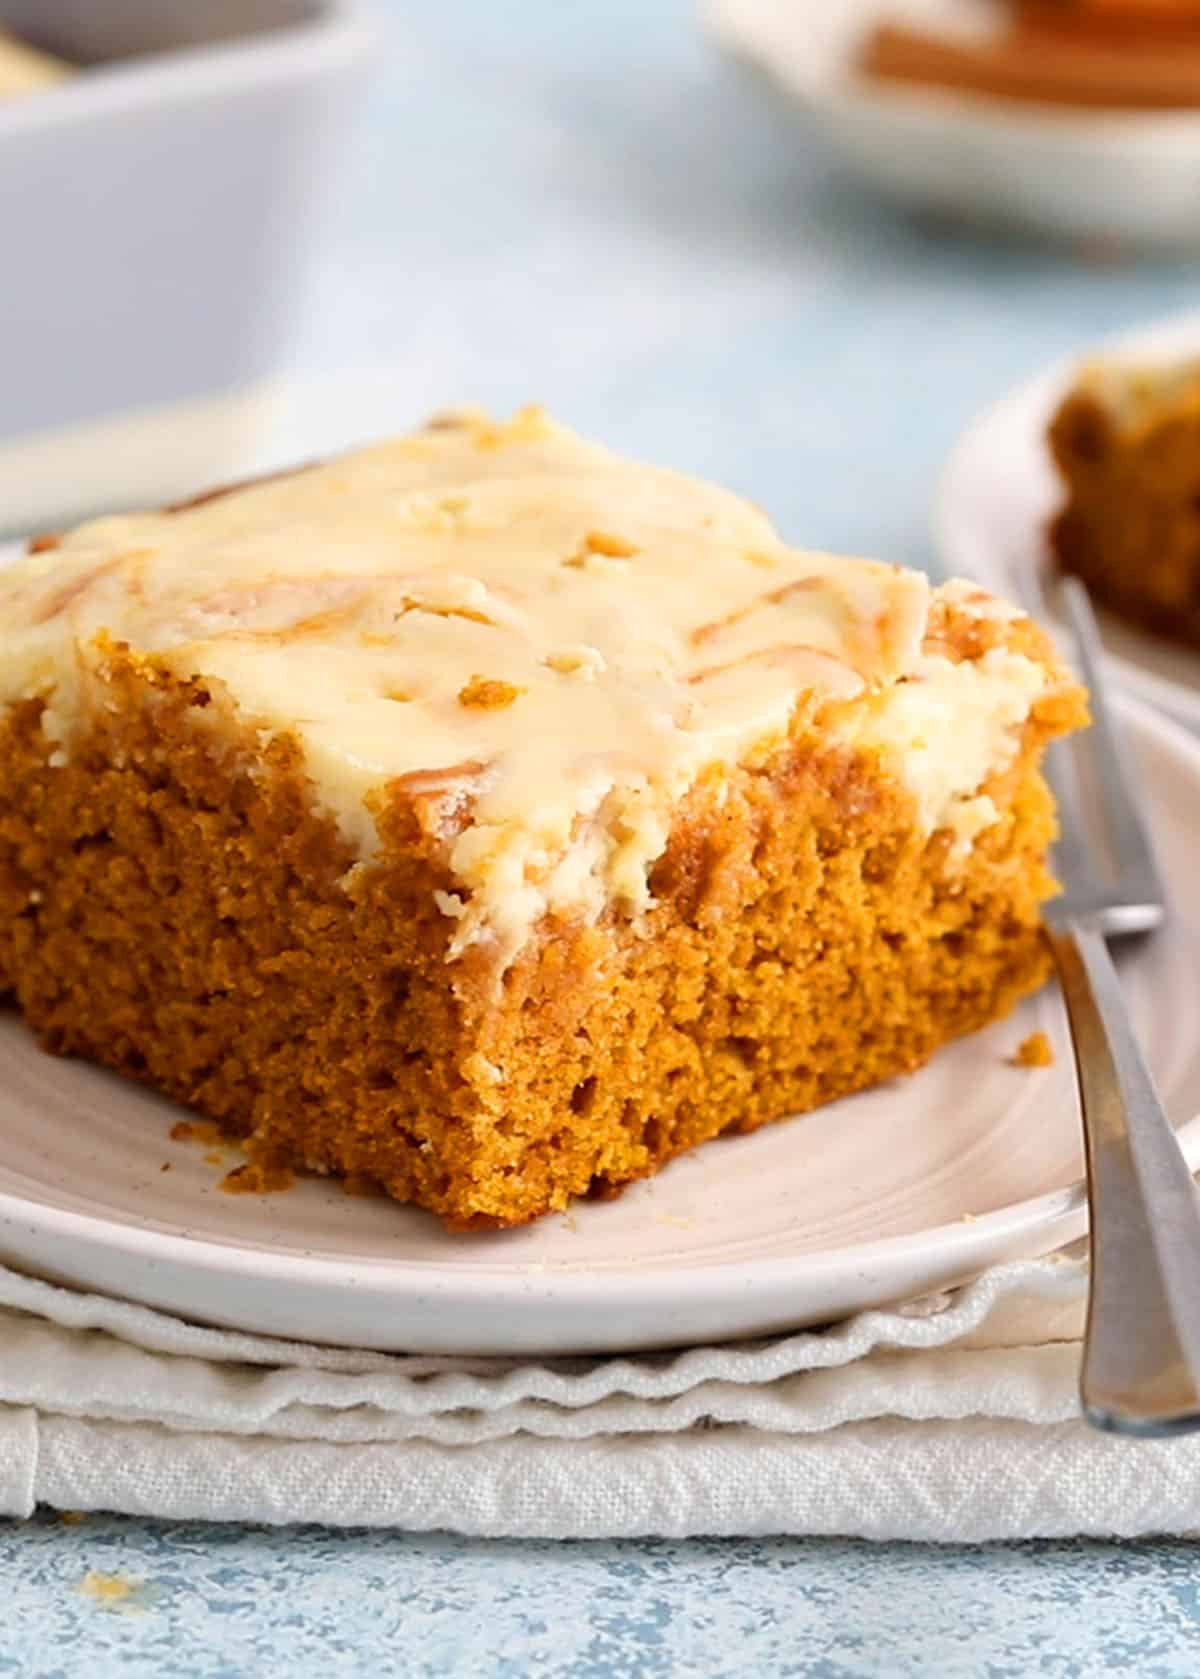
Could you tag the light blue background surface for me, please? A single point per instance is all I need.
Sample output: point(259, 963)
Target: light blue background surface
point(573, 200)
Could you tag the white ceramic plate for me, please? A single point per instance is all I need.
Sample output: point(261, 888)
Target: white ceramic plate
point(888, 1195)
point(1107, 175)
point(999, 489)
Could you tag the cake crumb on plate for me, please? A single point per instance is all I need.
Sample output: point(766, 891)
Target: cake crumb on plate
point(1034, 1051)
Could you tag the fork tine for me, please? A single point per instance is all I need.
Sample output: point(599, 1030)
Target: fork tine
point(1132, 846)
point(1072, 849)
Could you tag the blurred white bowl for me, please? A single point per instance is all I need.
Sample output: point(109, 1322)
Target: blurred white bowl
point(1124, 176)
point(159, 210)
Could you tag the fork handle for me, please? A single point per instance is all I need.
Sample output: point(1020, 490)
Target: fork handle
point(1141, 1355)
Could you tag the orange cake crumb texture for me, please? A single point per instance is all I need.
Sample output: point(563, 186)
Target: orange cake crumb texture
point(198, 1131)
point(363, 1188)
point(257, 1177)
point(173, 906)
point(1034, 1051)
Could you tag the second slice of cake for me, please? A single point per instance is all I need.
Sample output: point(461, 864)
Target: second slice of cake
point(1126, 442)
point(494, 818)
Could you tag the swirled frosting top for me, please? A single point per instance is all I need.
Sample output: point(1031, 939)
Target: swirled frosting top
point(529, 631)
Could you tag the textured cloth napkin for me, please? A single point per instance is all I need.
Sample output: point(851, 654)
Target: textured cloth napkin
point(951, 1418)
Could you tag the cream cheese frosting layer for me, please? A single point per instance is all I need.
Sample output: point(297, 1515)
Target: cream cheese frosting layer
point(520, 624)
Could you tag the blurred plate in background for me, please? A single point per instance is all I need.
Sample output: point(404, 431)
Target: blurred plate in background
point(1121, 175)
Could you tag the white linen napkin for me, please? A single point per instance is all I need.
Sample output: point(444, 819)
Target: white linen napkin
point(954, 1418)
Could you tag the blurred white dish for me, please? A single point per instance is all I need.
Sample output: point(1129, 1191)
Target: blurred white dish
point(999, 489)
point(160, 210)
point(1129, 176)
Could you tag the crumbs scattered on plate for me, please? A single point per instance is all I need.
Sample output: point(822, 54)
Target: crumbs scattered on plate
point(1034, 1051)
point(204, 1131)
point(252, 1177)
point(258, 1177)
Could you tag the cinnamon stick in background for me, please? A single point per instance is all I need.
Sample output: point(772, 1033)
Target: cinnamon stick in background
point(1099, 55)
point(1131, 23)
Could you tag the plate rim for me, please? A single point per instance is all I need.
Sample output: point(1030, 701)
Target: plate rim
point(969, 1241)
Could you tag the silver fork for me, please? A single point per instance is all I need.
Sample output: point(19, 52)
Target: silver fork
point(1141, 1355)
